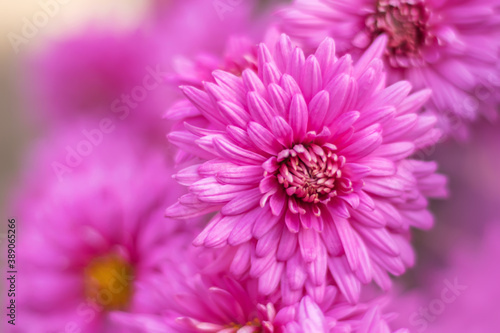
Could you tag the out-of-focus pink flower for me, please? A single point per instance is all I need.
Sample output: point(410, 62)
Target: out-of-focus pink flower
point(449, 46)
point(99, 74)
point(307, 163)
point(94, 242)
point(193, 26)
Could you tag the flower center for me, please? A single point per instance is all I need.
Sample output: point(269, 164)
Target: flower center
point(312, 174)
point(108, 281)
point(406, 24)
point(253, 326)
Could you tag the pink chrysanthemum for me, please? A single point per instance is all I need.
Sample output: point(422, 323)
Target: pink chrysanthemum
point(449, 46)
point(201, 299)
point(94, 242)
point(232, 307)
point(307, 163)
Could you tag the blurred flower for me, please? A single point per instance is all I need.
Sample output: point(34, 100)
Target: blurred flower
point(240, 53)
point(307, 163)
point(204, 299)
point(205, 26)
point(95, 242)
point(99, 74)
point(449, 46)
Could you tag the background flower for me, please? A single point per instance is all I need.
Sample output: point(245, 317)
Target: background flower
point(451, 47)
point(94, 242)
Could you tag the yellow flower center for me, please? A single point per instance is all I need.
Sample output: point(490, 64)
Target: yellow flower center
point(108, 281)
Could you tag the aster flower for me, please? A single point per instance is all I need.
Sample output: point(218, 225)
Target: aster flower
point(306, 163)
point(449, 46)
point(94, 243)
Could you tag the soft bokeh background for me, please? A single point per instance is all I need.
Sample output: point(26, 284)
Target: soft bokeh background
point(17, 132)
point(473, 167)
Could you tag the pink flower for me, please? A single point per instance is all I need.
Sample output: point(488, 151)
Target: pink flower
point(449, 46)
point(100, 74)
point(207, 300)
point(94, 243)
point(307, 163)
point(233, 307)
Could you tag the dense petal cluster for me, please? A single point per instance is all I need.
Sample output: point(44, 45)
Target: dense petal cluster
point(449, 46)
point(199, 298)
point(95, 241)
point(307, 163)
point(231, 307)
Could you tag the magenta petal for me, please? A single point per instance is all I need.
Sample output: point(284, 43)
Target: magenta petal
point(269, 281)
point(282, 131)
point(217, 237)
point(263, 139)
point(311, 79)
point(247, 174)
point(268, 243)
point(347, 237)
point(292, 221)
point(234, 113)
point(264, 222)
point(245, 201)
point(295, 272)
point(326, 53)
point(237, 154)
point(309, 242)
point(287, 246)
point(279, 99)
point(348, 284)
point(318, 107)
point(298, 116)
point(260, 109)
point(375, 51)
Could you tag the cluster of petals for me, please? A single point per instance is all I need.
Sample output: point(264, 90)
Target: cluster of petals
point(449, 46)
point(307, 162)
point(198, 298)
